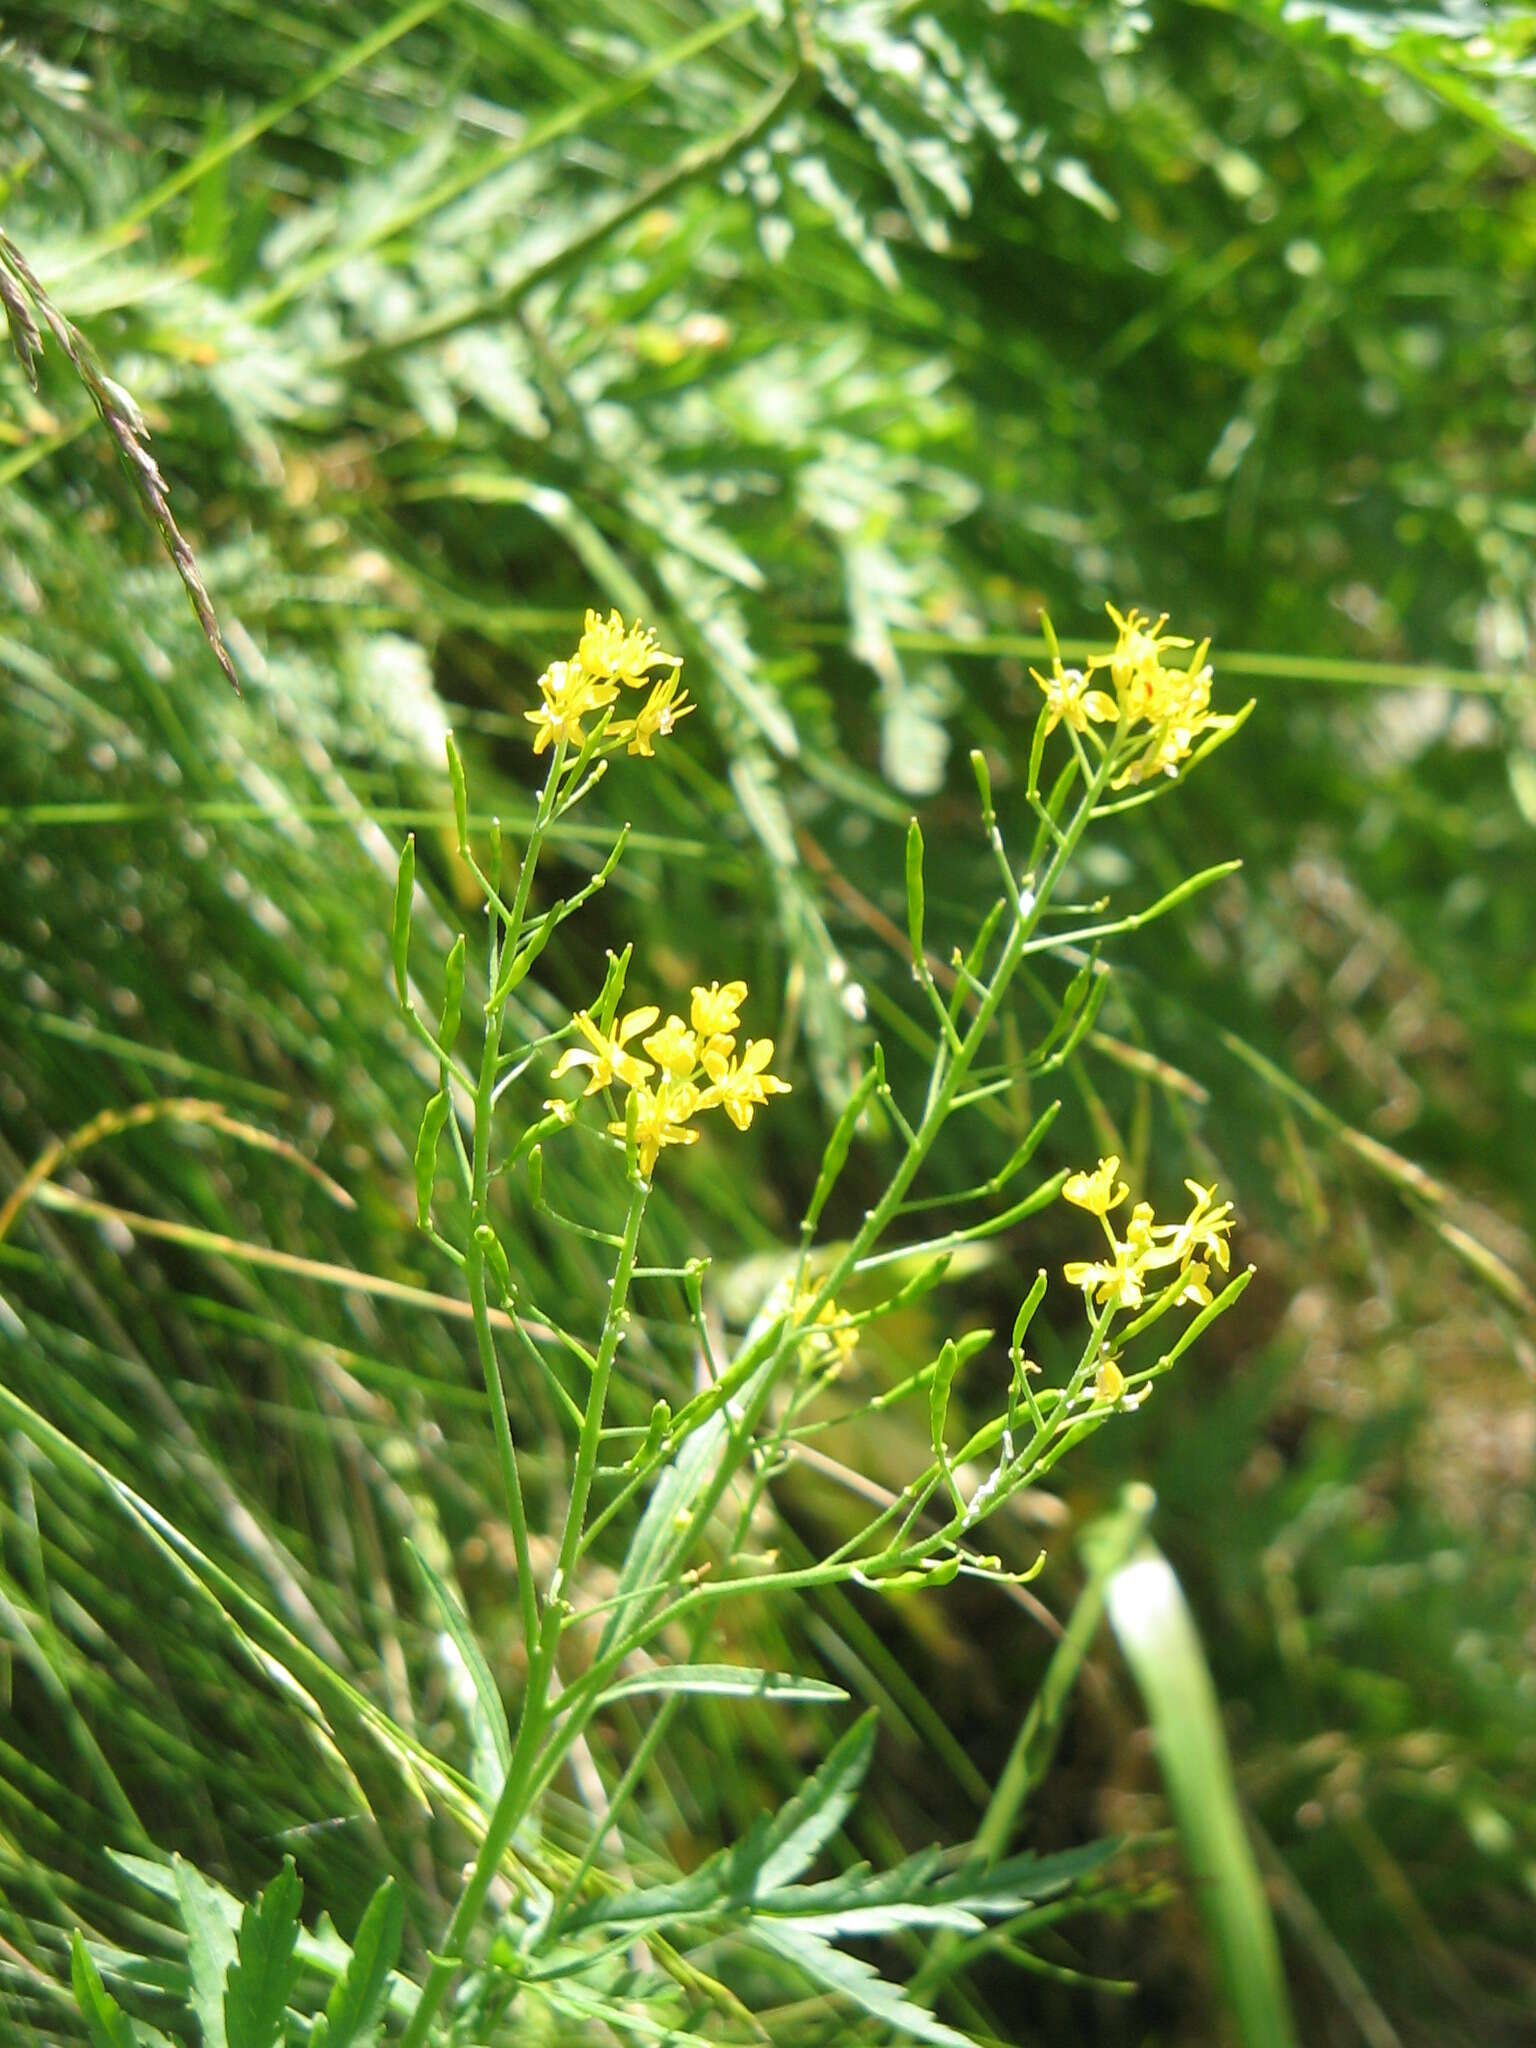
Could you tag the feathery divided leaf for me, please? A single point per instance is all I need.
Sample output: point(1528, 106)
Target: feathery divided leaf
point(105, 2021)
point(264, 1972)
point(355, 2008)
point(210, 1918)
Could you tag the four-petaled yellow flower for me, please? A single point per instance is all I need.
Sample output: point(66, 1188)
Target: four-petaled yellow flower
point(656, 717)
point(1172, 704)
point(605, 1055)
point(716, 1011)
point(1206, 1228)
point(661, 1118)
point(567, 695)
point(1069, 699)
point(1118, 1279)
point(674, 1048)
point(1096, 1191)
point(741, 1085)
point(1135, 663)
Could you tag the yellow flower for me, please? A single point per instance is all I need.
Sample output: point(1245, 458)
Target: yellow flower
point(616, 653)
point(1138, 1232)
point(1069, 698)
point(661, 1119)
point(674, 1048)
point(658, 715)
point(1096, 1191)
point(745, 1084)
point(1193, 1284)
point(1136, 662)
point(716, 1010)
point(1118, 1280)
point(567, 695)
point(828, 1339)
point(1109, 1380)
point(606, 1055)
point(1206, 1228)
point(1179, 711)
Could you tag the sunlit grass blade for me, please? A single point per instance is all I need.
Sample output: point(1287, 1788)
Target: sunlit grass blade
point(1157, 1633)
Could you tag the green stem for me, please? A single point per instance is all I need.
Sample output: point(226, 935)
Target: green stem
point(760, 1365)
point(935, 1115)
point(512, 1802)
point(506, 1451)
point(479, 1183)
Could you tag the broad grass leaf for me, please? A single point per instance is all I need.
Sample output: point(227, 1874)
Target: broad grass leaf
point(1157, 1634)
point(490, 1737)
point(676, 1493)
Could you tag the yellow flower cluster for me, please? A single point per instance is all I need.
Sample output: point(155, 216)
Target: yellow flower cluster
point(1183, 1250)
point(1173, 704)
point(610, 656)
point(696, 1067)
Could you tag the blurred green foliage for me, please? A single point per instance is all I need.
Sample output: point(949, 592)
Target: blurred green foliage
point(842, 341)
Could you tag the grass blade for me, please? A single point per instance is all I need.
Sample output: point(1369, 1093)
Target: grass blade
point(1156, 1631)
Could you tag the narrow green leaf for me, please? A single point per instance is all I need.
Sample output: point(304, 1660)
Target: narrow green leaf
point(1157, 1634)
point(804, 1824)
point(851, 1977)
point(105, 2021)
point(672, 1501)
point(489, 1734)
point(720, 1681)
point(400, 937)
point(356, 2005)
point(210, 1917)
point(262, 1977)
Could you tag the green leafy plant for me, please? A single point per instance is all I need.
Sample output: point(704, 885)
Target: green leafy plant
point(562, 1932)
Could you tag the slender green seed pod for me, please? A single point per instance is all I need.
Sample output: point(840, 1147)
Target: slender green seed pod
point(400, 938)
point(835, 1156)
point(453, 996)
point(433, 1117)
point(495, 1257)
point(460, 793)
point(661, 1421)
point(915, 903)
